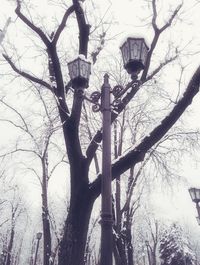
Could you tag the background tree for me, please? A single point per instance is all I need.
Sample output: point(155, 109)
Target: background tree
point(175, 248)
point(40, 139)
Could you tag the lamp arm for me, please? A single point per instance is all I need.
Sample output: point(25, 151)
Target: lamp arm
point(134, 87)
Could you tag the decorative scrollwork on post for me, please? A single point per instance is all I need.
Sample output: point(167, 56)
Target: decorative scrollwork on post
point(136, 83)
point(116, 103)
point(119, 101)
point(95, 97)
point(96, 108)
point(117, 90)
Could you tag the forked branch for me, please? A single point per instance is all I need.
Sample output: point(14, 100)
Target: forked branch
point(157, 33)
point(37, 30)
point(62, 24)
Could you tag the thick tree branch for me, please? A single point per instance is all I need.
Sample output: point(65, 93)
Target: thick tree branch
point(72, 128)
point(29, 77)
point(137, 154)
point(62, 24)
point(37, 30)
point(84, 28)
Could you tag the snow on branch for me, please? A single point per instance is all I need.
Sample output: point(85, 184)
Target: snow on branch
point(26, 75)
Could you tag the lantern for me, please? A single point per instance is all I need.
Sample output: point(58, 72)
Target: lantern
point(79, 72)
point(134, 54)
point(195, 194)
point(39, 235)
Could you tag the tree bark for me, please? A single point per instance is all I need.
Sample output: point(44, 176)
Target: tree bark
point(45, 214)
point(72, 246)
point(10, 245)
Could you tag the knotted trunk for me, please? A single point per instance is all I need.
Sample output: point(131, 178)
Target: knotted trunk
point(72, 246)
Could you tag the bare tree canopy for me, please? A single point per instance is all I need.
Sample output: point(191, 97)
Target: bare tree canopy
point(40, 64)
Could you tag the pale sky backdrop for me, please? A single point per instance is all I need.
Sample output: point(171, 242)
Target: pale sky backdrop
point(126, 20)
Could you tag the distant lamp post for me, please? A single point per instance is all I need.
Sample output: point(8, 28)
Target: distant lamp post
point(195, 196)
point(38, 237)
point(134, 53)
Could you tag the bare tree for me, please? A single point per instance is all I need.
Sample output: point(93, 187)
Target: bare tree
point(83, 193)
point(15, 212)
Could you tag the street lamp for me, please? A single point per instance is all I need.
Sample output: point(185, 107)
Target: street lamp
point(134, 53)
point(38, 237)
point(195, 196)
point(79, 72)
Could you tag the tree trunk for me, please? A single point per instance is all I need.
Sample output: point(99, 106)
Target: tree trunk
point(153, 257)
point(46, 238)
point(120, 253)
point(10, 245)
point(45, 215)
point(72, 246)
point(130, 252)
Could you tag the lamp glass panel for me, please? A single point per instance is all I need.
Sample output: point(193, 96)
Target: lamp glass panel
point(192, 193)
point(135, 49)
point(198, 220)
point(198, 194)
point(144, 53)
point(84, 69)
point(125, 52)
point(73, 69)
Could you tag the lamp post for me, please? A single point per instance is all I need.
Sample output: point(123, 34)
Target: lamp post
point(195, 196)
point(134, 53)
point(38, 237)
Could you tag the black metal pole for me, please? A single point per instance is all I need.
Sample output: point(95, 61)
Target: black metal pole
point(106, 194)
